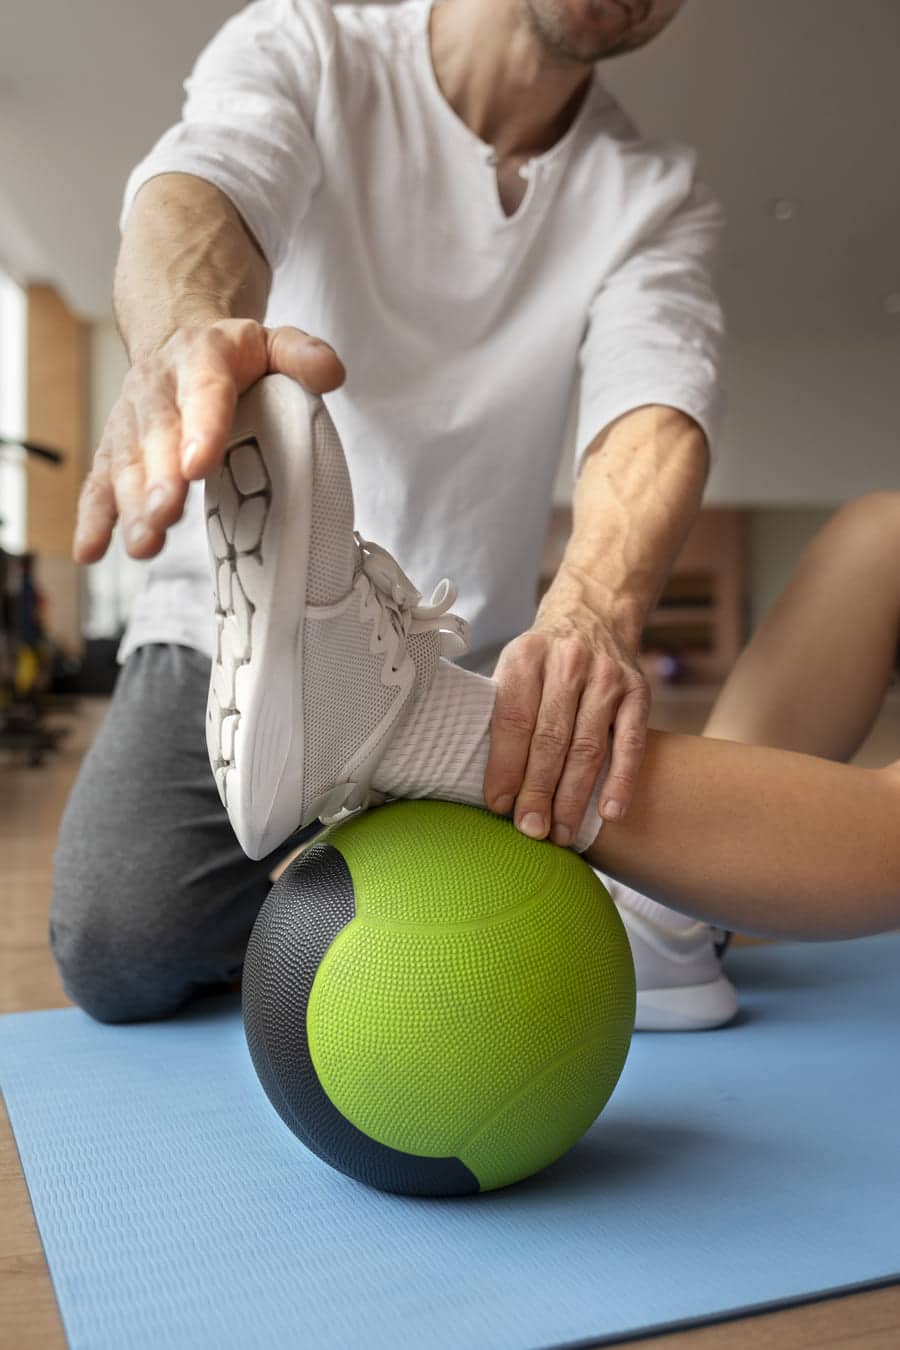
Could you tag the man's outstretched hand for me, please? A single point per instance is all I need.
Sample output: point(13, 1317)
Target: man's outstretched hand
point(569, 692)
point(171, 421)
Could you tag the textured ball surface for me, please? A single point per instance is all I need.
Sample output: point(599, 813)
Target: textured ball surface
point(435, 1004)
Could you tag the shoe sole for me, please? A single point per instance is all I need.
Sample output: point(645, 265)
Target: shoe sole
point(696, 1007)
point(258, 511)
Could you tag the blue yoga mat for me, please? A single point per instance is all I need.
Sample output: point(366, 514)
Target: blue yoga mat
point(740, 1169)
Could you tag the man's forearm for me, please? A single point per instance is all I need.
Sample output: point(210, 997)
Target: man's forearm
point(186, 260)
point(636, 497)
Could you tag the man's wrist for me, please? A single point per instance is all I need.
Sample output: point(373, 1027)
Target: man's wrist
point(587, 601)
point(186, 261)
point(635, 499)
point(143, 341)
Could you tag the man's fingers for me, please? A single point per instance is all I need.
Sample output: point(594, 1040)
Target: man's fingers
point(211, 378)
point(519, 677)
point(129, 483)
point(584, 762)
point(98, 508)
point(308, 360)
point(96, 514)
point(158, 433)
point(629, 742)
point(564, 676)
point(142, 540)
point(207, 397)
point(171, 423)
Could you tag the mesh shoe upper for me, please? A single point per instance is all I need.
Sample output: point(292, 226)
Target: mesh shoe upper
point(332, 551)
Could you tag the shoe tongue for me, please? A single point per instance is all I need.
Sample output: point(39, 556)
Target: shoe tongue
point(332, 553)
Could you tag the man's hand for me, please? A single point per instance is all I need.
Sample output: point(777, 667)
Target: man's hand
point(570, 689)
point(566, 688)
point(171, 423)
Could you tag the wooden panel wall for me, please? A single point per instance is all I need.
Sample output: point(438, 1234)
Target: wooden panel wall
point(57, 413)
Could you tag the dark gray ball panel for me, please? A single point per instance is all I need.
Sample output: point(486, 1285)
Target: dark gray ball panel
point(303, 914)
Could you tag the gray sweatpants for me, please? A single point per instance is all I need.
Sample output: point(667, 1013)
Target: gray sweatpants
point(153, 899)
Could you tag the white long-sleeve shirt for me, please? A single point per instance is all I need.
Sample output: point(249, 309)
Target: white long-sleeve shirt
point(462, 329)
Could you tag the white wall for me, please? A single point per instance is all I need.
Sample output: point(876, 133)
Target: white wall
point(810, 422)
point(809, 425)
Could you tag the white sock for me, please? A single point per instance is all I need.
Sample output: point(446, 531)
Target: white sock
point(440, 748)
point(639, 903)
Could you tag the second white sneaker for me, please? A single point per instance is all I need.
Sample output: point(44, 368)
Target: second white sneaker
point(321, 639)
point(680, 982)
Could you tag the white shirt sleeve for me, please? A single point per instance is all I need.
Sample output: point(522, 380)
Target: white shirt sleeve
point(655, 327)
point(248, 123)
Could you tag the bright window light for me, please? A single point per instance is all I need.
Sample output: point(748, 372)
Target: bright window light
point(13, 319)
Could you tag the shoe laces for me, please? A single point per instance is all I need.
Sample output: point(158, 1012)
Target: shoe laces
point(402, 611)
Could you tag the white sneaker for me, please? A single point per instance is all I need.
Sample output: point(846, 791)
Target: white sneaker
point(321, 638)
point(680, 984)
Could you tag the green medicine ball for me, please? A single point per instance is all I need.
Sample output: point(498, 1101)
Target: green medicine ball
point(435, 1004)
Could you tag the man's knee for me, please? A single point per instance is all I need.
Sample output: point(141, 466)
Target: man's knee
point(134, 936)
point(869, 525)
point(151, 895)
point(112, 979)
point(112, 959)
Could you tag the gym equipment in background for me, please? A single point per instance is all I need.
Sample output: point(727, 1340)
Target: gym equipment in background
point(26, 653)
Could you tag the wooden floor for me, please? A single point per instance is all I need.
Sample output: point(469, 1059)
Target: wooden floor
point(31, 802)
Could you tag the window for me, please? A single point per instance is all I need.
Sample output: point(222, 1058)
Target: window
point(13, 319)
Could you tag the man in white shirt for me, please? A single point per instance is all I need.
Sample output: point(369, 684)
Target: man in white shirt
point(449, 200)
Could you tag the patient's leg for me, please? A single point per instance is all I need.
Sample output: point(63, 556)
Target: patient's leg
point(765, 841)
point(815, 674)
